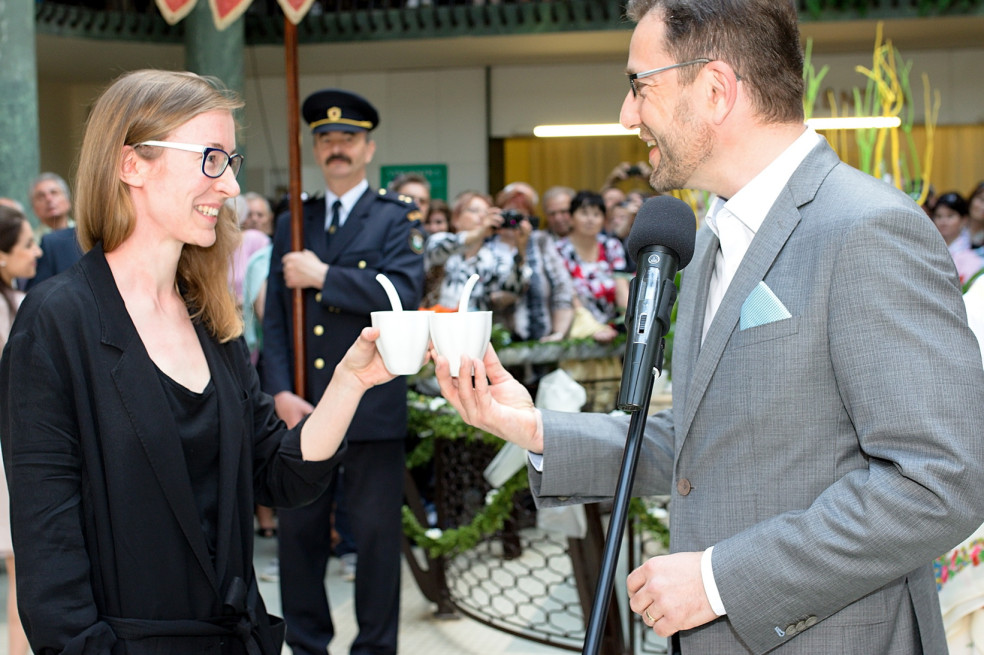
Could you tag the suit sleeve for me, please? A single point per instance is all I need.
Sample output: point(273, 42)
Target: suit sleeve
point(277, 324)
point(357, 291)
point(910, 378)
point(43, 461)
point(572, 440)
point(281, 476)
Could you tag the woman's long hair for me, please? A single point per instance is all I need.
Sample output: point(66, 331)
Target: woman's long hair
point(11, 224)
point(149, 105)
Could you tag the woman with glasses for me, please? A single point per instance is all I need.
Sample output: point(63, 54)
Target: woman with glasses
point(470, 249)
point(136, 439)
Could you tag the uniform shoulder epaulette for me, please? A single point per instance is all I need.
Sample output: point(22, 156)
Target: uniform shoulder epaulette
point(396, 198)
point(316, 198)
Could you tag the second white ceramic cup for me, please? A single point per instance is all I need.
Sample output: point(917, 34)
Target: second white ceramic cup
point(460, 333)
point(403, 339)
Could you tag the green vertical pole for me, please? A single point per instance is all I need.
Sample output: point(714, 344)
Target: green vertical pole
point(219, 54)
point(20, 158)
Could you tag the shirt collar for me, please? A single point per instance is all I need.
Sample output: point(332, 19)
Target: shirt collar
point(349, 198)
point(753, 201)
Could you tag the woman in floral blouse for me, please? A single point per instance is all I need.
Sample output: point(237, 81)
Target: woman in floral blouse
point(594, 260)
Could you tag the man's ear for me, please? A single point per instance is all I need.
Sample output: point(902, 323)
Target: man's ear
point(132, 167)
point(721, 89)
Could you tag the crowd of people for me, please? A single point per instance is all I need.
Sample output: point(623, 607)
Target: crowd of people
point(152, 410)
point(960, 220)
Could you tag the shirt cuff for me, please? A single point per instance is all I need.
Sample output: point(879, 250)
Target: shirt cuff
point(536, 459)
point(710, 587)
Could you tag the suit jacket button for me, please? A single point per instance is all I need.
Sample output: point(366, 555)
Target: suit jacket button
point(790, 630)
point(801, 625)
point(684, 486)
point(319, 363)
point(362, 263)
point(317, 297)
point(319, 330)
point(811, 621)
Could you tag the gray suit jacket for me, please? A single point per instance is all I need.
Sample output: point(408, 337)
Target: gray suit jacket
point(829, 456)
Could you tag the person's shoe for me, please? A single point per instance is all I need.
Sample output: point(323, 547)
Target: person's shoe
point(348, 561)
point(272, 571)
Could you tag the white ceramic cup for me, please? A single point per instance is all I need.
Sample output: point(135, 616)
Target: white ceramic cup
point(403, 339)
point(460, 333)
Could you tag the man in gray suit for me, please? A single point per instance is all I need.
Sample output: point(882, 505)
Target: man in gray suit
point(825, 438)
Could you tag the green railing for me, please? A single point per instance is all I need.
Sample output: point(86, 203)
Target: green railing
point(375, 20)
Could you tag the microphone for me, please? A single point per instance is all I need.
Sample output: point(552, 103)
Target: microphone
point(661, 242)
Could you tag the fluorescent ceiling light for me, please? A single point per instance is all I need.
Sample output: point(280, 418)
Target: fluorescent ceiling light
point(854, 122)
point(597, 129)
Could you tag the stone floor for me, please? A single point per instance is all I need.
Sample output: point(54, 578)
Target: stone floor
point(420, 632)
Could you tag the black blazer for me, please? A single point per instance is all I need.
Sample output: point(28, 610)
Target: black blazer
point(105, 526)
point(382, 234)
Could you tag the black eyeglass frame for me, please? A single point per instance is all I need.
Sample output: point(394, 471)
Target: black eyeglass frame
point(235, 161)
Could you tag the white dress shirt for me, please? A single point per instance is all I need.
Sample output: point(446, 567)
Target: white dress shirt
point(735, 222)
point(349, 198)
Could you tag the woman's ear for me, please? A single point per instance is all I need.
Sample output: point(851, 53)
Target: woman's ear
point(132, 167)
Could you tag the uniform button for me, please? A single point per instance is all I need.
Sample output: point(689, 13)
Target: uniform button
point(319, 330)
point(362, 263)
point(317, 297)
point(684, 486)
point(319, 363)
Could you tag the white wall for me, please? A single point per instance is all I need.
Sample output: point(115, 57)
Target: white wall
point(444, 115)
point(426, 117)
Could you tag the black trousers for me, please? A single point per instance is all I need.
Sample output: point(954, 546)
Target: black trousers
point(374, 497)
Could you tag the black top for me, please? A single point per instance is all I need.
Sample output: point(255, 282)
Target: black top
point(197, 418)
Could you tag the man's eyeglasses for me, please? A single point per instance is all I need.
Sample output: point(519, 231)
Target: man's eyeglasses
point(638, 76)
point(214, 160)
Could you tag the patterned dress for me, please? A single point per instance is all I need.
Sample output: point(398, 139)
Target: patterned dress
point(594, 282)
point(497, 266)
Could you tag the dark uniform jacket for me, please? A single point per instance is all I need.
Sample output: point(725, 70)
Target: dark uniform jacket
point(111, 554)
point(60, 249)
point(381, 235)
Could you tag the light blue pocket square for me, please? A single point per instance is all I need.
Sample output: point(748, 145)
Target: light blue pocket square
point(761, 307)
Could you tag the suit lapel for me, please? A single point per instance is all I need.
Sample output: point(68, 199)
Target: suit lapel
point(146, 406)
point(690, 320)
point(778, 225)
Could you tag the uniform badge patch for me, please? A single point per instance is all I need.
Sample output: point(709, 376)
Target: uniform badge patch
point(415, 215)
point(417, 240)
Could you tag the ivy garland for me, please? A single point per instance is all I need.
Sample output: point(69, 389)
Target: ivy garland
point(433, 418)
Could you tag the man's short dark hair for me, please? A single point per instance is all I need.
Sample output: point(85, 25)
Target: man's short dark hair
point(759, 39)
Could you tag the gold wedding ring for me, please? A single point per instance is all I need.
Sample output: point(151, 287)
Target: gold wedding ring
point(649, 616)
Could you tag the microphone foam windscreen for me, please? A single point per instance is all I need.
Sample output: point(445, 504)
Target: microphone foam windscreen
point(664, 221)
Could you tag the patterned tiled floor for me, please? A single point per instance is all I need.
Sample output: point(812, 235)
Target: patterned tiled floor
point(420, 632)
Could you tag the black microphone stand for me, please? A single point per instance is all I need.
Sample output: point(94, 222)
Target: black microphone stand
point(619, 519)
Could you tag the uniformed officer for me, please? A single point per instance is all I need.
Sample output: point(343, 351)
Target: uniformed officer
point(350, 235)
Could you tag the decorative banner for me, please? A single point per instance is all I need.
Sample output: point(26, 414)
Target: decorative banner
point(295, 10)
point(174, 10)
point(225, 12)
